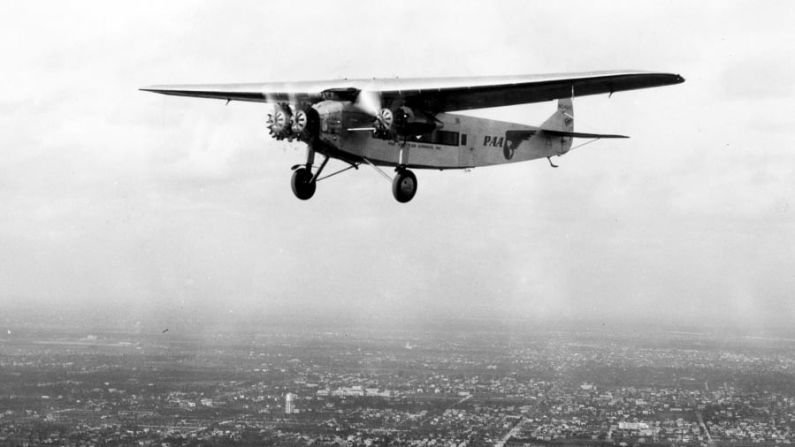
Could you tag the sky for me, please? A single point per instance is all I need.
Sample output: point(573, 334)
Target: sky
point(127, 206)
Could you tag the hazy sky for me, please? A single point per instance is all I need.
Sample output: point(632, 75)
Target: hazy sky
point(131, 203)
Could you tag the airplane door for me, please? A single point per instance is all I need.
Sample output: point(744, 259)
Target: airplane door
point(466, 151)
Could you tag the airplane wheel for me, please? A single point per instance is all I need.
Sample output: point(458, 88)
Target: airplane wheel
point(303, 186)
point(404, 186)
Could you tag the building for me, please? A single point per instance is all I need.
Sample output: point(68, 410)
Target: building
point(289, 403)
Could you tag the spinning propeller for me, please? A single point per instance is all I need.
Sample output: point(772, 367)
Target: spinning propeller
point(383, 118)
point(280, 123)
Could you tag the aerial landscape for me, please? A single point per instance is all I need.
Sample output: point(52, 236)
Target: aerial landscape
point(460, 383)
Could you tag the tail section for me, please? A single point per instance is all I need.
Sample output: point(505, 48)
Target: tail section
point(560, 125)
point(563, 118)
point(553, 138)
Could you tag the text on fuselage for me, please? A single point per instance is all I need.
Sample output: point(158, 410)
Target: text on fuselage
point(493, 141)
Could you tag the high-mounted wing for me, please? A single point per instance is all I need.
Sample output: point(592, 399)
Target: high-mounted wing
point(257, 92)
point(507, 91)
point(434, 94)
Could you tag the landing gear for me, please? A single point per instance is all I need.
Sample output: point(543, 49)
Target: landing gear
point(404, 185)
point(303, 183)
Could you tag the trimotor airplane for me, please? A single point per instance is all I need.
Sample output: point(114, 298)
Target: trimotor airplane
point(406, 124)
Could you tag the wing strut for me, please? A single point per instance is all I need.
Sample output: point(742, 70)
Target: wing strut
point(352, 166)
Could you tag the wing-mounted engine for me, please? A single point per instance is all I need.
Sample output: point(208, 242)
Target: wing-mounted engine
point(384, 124)
point(280, 124)
point(403, 121)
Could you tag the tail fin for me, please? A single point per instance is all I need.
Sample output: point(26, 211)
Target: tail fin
point(561, 125)
point(563, 118)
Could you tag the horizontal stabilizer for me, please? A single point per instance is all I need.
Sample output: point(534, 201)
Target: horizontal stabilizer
point(563, 133)
point(515, 137)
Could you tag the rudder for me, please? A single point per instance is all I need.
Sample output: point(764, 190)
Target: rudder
point(563, 118)
point(561, 121)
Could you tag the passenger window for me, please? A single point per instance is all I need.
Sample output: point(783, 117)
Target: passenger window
point(463, 139)
point(439, 137)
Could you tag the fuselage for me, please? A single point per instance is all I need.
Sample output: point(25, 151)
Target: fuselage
point(458, 141)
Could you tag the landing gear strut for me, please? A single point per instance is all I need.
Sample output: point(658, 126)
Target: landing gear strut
point(404, 185)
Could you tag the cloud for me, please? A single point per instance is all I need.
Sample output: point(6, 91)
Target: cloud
point(759, 76)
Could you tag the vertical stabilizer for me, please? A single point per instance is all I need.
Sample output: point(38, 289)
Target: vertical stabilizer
point(561, 121)
point(563, 118)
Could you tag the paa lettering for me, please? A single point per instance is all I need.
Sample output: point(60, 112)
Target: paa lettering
point(493, 141)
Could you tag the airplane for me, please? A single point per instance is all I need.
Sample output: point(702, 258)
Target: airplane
point(408, 123)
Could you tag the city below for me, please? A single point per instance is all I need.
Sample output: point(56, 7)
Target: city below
point(452, 385)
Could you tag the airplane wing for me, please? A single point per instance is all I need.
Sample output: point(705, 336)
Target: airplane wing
point(487, 92)
point(434, 94)
point(262, 92)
